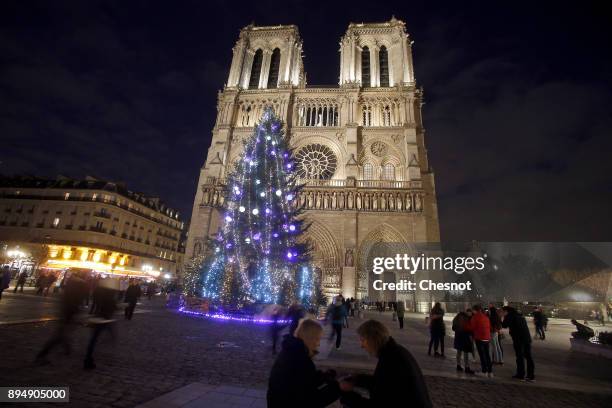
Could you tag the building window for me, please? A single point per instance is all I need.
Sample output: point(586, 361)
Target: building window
point(389, 172)
point(368, 172)
point(386, 115)
point(367, 115)
point(316, 161)
point(384, 66)
point(56, 222)
point(94, 197)
point(365, 67)
point(256, 70)
point(273, 76)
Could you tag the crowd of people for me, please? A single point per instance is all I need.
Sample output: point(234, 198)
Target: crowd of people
point(100, 295)
point(294, 379)
point(477, 331)
point(481, 330)
point(82, 291)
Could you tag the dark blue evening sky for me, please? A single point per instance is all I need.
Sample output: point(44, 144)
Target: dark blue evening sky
point(518, 107)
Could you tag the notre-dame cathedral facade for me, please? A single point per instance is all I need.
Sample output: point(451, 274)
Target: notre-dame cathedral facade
point(359, 145)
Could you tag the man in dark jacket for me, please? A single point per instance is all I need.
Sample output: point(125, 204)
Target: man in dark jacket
point(21, 280)
point(294, 379)
point(72, 298)
point(5, 279)
point(336, 313)
point(396, 371)
point(132, 294)
point(538, 321)
point(521, 340)
point(104, 297)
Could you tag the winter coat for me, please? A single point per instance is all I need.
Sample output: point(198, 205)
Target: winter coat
point(538, 318)
point(337, 314)
point(463, 336)
point(519, 330)
point(400, 309)
point(6, 279)
point(132, 294)
point(22, 278)
point(437, 326)
point(75, 292)
point(494, 320)
point(105, 302)
point(295, 382)
point(480, 327)
point(397, 376)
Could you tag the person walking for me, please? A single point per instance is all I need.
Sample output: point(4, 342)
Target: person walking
point(49, 280)
point(497, 355)
point(401, 309)
point(437, 330)
point(337, 315)
point(294, 380)
point(294, 314)
point(72, 299)
point(105, 299)
point(346, 306)
point(463, 341)
point(132, 294)
point(124, 284)
point(95, 294)
point(21, 280)
point(521, 340)
point(538, 322)
point(40, 282)
point(481, 330)
point(396, 370)
point(151, 289)
point(5, 279)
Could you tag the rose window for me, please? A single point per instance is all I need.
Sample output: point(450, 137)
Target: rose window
point(316, 161)
point(379, 149)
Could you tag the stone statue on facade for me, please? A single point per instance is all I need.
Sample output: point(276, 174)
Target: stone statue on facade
point(348, 258)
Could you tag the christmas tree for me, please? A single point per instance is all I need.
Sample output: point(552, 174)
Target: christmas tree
point(256, 256)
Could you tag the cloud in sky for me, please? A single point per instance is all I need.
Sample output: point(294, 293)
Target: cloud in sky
point(518, 105)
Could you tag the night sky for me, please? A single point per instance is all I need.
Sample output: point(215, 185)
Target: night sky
point(518, 108)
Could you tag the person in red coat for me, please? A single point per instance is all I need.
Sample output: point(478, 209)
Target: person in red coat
point(480, 327)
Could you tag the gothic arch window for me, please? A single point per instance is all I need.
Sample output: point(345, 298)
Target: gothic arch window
point(368, 171)
point(389, 172)
point(365, 67)
point(246, 115)
point(367, 115)
point(274, 67)
point(386, 115)
point(256, 69)
point(383, 57)
point(316, 161)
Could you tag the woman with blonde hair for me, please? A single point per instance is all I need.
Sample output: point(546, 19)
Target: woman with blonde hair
point(294, 380)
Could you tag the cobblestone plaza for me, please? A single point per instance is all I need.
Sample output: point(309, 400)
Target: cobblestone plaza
point(160, 351)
